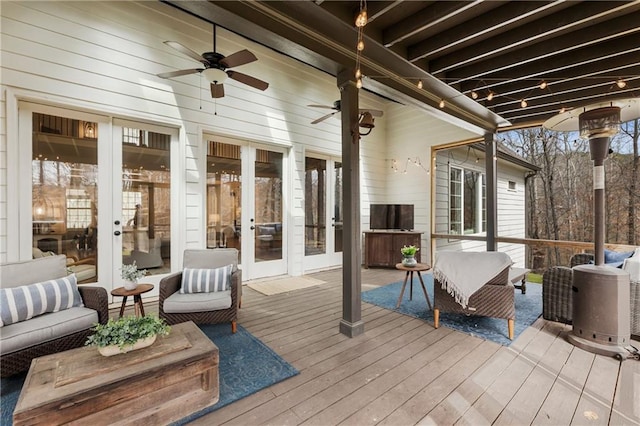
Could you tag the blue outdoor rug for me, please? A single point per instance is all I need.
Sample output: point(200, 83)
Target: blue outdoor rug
point(246, 366)
point(528, 309)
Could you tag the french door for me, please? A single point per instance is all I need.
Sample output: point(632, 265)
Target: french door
point(246, 204)
point(90, 175)
point(323, 212)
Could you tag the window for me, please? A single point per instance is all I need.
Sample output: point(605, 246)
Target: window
point(79, 210)
point(512, 185)
point(467, 201)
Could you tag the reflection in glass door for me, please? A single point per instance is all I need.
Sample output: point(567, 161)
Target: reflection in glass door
point(64, 170)
point(323, 213)
point(268, 206)
point(224, 195)
point(146, 199)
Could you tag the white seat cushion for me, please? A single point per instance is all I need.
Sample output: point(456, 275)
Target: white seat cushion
point(45, 328)
point(179, 303)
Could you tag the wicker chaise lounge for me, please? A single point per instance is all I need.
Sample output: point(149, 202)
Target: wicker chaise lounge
point(495, 298)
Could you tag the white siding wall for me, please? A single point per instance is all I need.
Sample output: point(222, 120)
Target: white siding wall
point(103, 57)
point(412, 133)
point(511, 215)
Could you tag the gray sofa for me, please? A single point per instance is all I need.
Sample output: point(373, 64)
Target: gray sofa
point(51, 332)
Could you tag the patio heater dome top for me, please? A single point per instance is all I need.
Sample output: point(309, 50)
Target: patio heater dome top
point(569, 121)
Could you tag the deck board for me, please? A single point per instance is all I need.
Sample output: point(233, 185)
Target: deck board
point(402, 371)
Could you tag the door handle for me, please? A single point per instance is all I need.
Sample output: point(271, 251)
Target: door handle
point(116, 233)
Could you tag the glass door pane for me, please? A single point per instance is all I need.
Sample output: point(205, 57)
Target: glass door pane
point(65, 191)
point(315, 207)
point(224, 195)
point(337, 208)
point(146, 200)
point(268, 206)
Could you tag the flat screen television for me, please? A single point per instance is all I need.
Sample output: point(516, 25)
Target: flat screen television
point(391, 216)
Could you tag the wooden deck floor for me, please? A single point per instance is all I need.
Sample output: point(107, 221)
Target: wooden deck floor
point(402, 371)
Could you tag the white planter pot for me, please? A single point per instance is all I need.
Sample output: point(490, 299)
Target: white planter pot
point(130, 285)
point(115, 350)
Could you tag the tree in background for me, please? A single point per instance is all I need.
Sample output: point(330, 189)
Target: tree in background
point(560, 195)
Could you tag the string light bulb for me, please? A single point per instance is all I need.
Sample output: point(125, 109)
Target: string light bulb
point(523, 103)
point(419, 84)
point(358, 74)
point(543, 85)
point(621, 83)
point(362, 18)
point(441, 104)
point(360, 45)
point(474, 94)
point(359, 83)
point(490, 96)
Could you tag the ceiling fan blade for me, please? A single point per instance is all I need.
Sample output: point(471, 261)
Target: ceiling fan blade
point(324, 117)
point(321, 106)
point(239, 58)
point(178, 73)
point(217, 90)
point(373, 112)
point(248, 80)
point(186, 51)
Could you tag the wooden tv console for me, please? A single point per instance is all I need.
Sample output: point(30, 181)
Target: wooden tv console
point(382, 248)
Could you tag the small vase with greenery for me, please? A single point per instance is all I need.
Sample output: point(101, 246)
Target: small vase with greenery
point(126, 334)
point(408, 255)
point(131, 274)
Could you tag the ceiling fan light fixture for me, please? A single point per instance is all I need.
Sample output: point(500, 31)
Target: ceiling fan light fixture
point(214, 75)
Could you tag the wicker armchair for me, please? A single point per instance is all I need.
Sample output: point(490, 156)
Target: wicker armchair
point(19, 361)
point(557, 299)
point(495, 299)
point(175, 307)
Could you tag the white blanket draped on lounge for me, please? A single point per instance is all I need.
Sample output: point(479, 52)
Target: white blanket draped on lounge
point(463, 273)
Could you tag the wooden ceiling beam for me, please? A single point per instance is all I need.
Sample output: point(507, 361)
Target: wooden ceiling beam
point(577, 27)
point(483, 27)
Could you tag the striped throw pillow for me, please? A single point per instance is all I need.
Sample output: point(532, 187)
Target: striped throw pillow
point(27, 301)
point(206, 280)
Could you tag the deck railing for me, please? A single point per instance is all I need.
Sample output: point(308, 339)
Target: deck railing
point(542, 254)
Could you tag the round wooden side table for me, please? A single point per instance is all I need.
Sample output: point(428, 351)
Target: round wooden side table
point(410, 270)
point(137, 299)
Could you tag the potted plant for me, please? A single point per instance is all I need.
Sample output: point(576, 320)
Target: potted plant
point(131, 274)
point(127, 334)
point(408, 255)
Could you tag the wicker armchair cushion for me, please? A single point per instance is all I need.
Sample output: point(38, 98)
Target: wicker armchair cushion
point(615, 259)
point(206, 280)
point(28, 301)
point(203, 258)
point(45, 328)
point(33, 271)
point(197, 302)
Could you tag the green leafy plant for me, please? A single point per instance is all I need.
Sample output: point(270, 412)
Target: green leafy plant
point(409, 250)
point(127, 331)
point(130, 272)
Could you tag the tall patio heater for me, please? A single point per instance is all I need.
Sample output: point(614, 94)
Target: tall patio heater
point(601, 311)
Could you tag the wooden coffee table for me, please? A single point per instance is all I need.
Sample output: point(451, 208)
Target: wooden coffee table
point(172, 378)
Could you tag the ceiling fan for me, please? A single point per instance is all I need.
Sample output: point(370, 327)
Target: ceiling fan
point(336, 109)
point(216, 67)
